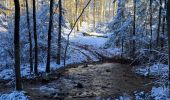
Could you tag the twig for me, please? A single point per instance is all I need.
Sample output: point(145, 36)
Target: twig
point(68, 37)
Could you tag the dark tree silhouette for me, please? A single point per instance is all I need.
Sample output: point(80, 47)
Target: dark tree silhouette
point(59, 33)
point(168, 27)
point(49, 36)
point(163, 26)
point(30, 39)
point(35, 39)
point(150, 7)
point(17, 46)
point(134, 27)
point(159, 23)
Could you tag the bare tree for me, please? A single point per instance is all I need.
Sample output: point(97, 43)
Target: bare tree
point(134, 26)
point(77, 14)
point(163, 26)
point(59, 33)
point(17, 46)
point(49, 36)
point(150, 7)
point(168, 27)
point(159, 23)
point(35, 39)
point(30, 37)
point(94, 13)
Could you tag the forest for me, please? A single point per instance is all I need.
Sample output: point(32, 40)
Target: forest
point(85, 50)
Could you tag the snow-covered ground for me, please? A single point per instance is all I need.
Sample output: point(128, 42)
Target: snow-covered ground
point(156, 93)
point(154, 70)
point(14, 96)
point(88, 40)
point(160, 93)
point(81, 49)
point(160, 72)
point(77, 53)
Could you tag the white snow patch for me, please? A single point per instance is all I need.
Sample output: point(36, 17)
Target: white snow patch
point(2, 29)
point(14, 96)
point(115, 51)
point(155, 70)
point(160, 93)
point(7, 74)
point(76, 57)
point(46, 89)
point(125, 97)
point(89, 40)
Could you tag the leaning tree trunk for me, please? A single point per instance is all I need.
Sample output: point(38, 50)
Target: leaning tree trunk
point(17, 46)
point(59, 33)
point(49, 37)
point(30, 37)
point(35, 39)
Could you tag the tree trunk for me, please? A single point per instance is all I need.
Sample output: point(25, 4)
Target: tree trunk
point(17, 46)
point(110, 2)
point(163, 26)
point(94, 13)
point(89, 16)
point(134, 29)
point(114, 7)
point(59, 33)
point(77, 14)
point(35, 39)
point(105, 10)
point(168, 27)
point(30, 37)
point(49, 37)
point(159, 23)
point(150, 6)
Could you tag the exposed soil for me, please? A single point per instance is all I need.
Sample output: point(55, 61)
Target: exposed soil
point(90, 82)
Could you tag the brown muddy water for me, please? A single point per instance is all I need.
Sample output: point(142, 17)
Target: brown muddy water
point(92, 82)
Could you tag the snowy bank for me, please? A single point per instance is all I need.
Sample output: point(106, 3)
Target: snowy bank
point(160, 93)
point(14, 96)
point(160, 72)
point(154, 70)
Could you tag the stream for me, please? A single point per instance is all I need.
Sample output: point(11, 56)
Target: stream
point(92, 82)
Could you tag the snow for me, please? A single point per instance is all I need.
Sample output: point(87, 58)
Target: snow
point(160, 93)
point(157, 70)
point(6, 74)
point(76, 57)
point(139, 95)
point(77, 37)
point(114, 51)
point(47, 89)
point(89, 40)
point(95, 44)
point(154, 70)
point(125, 97)
point(2, 29)
point(14, 96)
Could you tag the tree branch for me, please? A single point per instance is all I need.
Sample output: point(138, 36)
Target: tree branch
point(68, 37)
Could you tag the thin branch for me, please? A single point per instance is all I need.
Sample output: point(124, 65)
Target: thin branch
point(68, 37)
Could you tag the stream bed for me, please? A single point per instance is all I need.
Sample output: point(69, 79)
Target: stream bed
point(92, 82)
